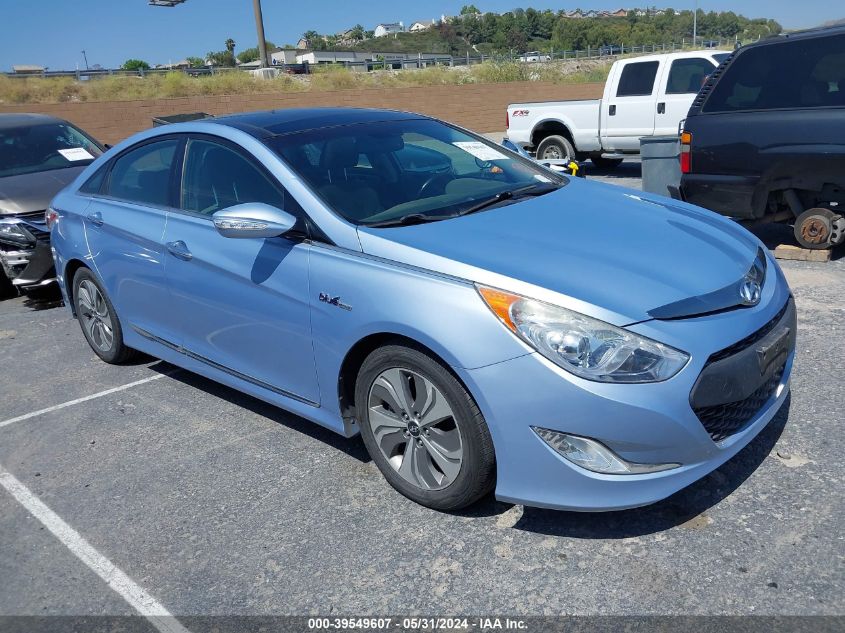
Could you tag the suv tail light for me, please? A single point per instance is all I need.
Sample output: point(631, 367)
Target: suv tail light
point(686, 157)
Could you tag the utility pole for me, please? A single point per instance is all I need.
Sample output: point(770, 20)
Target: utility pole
point(695, 24)
point(86, 59)
point(259, 26)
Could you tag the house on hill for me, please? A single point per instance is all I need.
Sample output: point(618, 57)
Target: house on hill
point(422, 25)
point(382, 30)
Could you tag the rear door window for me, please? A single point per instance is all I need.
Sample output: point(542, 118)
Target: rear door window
point(686, 76)
point(143, 175)
point(803, 73)
point(637, 79)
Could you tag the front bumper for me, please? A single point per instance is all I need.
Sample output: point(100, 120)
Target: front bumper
point(30, 264)
point(647, 423)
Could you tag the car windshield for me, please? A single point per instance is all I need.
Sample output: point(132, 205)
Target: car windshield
point(417, 170)
point(44, 147)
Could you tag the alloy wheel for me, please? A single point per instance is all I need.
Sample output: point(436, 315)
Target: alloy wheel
point(415, 428)
point(95, 316)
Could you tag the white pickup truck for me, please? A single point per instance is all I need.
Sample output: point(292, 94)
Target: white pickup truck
point(643, 96)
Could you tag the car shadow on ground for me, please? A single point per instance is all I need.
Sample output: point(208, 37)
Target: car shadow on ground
point(354, 447)
point(629, 168)
point(686, 508)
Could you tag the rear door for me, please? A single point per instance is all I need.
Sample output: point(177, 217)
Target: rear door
point(680, 82)
point(628, 113)
point(124, 227)
point(242, 305)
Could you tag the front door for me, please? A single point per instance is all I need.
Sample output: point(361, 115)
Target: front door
point(242, 304)
point(677, 92)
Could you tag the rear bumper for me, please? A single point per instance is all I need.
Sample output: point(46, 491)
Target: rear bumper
point(727, 195)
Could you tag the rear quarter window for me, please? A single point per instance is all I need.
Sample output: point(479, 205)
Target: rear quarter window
point(637, 79)
point(805, 73)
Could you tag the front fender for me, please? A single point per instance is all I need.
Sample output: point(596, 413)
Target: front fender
point(363, 296)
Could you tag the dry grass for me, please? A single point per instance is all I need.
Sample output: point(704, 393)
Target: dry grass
point(325, 78)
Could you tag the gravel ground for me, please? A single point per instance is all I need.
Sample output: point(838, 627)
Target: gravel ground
point(216, 503)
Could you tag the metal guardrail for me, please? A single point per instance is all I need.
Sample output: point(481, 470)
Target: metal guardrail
point(602, 52)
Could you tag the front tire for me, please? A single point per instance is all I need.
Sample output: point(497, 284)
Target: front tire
point(555, 148)
point(423, 429)
point(98, 319)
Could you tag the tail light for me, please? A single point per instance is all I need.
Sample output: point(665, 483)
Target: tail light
point(686, 157)
point(51, 217)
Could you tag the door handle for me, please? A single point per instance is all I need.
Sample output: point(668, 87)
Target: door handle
point(661, 107)
point(179, 249)
point(611, 110)
point(95, 218)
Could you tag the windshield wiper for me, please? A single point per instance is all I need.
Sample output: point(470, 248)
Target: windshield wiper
point(407, 220)
point(537, 189)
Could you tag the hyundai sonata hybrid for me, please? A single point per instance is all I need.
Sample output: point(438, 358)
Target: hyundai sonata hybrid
point(481, 321)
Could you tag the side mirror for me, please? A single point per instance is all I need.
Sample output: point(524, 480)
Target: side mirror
point(252, 220)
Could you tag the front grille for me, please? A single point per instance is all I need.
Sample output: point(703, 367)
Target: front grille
point(749, 340)
point(723, 420)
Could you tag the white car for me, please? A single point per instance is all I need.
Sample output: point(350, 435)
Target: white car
point(643, 96)
point(534, 56)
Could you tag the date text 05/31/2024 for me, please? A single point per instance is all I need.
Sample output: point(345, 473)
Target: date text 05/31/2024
point(418, 624)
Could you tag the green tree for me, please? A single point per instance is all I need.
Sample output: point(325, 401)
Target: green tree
point(195, 62)
point(251, 54)
point(221, 58)
point(470, 9)
point(230, 46)
point(135, 64)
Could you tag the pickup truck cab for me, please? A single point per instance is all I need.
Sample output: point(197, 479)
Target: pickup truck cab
point(643, 96)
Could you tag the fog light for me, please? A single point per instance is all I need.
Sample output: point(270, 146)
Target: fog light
point(593, 455)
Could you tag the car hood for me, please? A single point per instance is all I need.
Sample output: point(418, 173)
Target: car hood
point(621, 251)
point(33, 192)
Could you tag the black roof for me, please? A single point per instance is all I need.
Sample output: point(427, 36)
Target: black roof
point(286, 121)
point(820, 31)
point(8, 121)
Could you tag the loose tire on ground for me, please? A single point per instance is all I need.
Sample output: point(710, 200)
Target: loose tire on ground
point(98, 319)
point(398, 433)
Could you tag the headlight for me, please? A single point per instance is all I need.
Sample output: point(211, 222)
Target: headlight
point(582, 345)
point(11, 230)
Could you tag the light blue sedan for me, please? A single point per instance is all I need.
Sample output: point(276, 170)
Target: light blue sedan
point(482, 322)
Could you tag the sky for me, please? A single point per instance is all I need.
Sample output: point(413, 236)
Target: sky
point(53, 33)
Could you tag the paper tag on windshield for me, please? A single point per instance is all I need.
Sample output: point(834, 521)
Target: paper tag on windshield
point(76, 153)
point(480, 150)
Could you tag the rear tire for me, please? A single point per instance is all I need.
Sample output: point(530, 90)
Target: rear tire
point(555, 148)
point(606, 163)
point(98, 319)
point(423, 429)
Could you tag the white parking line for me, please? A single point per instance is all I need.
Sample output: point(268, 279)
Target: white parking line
point(99, 394)
point(122, 584)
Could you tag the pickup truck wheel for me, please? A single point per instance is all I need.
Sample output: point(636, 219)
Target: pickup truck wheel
point(555, 148)
point(606, 163)
point(813, 228)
